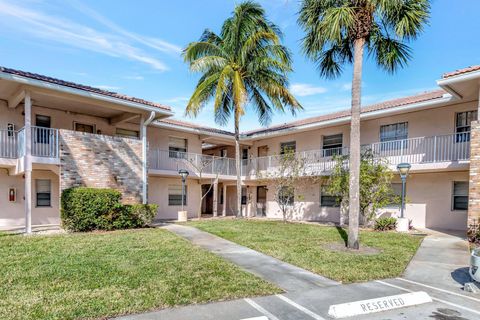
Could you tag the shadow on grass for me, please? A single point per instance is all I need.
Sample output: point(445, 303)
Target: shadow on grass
point(342, 233)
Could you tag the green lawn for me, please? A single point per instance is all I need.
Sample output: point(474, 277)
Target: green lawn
point(104, 274)
point(304, 245)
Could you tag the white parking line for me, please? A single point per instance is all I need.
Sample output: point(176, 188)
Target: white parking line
point(436, 299)
point(256, 318)
point(260, 309)
point(301, 308)
point(438, 289)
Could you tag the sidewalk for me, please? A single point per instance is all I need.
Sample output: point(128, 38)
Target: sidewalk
point(286, 276)
point(441, 261)
point(438, 268)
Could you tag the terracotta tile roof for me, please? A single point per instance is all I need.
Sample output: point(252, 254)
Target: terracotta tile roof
point(193, 126)
point(374, 107)
point(82, 87)
point(461, 71)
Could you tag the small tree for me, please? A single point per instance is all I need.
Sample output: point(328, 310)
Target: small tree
point(287, 178)
point(375, 184)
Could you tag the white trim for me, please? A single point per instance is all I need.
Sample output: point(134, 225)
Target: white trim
point(83, 93)
point(460, 77)
point(300, 307)
point(260, 309)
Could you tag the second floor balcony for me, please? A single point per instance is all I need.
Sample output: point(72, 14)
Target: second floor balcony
point(44, 143)
point(434, 150)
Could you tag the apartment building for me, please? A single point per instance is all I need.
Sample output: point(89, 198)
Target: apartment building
point(56, 134)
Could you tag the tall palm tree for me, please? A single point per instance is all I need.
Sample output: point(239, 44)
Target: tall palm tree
point(244, 65)
point(337, 32)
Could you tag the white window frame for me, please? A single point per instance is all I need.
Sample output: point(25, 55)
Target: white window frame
point(458, 195)
point(176, 190)
point(37, 187)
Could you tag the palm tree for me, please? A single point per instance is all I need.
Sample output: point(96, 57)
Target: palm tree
point(244, 65)
point(337, 32)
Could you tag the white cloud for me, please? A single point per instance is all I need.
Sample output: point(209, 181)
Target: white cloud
point(346, 86)
point(305, 89)
point(151, 42)
point(50, 27)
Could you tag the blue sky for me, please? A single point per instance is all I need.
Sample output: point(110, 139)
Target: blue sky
point(133, 47)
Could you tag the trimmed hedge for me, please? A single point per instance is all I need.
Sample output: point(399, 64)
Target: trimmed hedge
point(87, 209)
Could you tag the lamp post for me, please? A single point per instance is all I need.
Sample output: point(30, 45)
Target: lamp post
point(402, 223)
point(184, 174)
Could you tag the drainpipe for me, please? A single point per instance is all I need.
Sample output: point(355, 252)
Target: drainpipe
point(144, 124)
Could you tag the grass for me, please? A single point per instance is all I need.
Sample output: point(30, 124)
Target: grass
point(303, 245)
point(105, 274)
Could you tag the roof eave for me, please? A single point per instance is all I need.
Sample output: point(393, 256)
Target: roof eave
point(192, 130)
point(365, 115)
point(83, 93)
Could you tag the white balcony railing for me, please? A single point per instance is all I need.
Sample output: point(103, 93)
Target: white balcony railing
point(44, 142)
point(193, 162)
point(9, 144)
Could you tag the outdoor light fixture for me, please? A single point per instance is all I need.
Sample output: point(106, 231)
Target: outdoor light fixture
point(184, 174)
point(403, 169)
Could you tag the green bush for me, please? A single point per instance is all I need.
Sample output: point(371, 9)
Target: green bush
point(385, 224)
point(87, 209)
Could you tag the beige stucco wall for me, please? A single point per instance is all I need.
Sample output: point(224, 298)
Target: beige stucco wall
point(158, 194)
point(158, 139)
point(12, 214)
point(438, 121)
point(429, 197)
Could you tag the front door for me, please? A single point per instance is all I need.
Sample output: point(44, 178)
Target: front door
point(261, 201)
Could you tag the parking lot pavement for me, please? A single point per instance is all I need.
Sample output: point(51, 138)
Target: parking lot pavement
point(314, 304)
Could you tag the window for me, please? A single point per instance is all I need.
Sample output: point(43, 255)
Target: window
point(290, 146)
point(286, 196)
point(397, 191)
point(42, 135)
point(462, 125)
point(244, 154)
point(82, 127)
point(42, 121)
point(396, 131)
point(43, 189)
point(175, 195)
point(244, 195)
point(223, 153)
point(327, 199)
point(332, 145)
point(177, 147)
point(10, 129)
point(460, 195)
point(393, 136)
point(221, 195)
point(127, 133)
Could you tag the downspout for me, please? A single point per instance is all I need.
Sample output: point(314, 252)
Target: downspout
point(145, 124)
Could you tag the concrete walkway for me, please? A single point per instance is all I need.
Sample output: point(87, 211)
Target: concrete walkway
point(286, 276)
point(438, 268)
point(441, 261)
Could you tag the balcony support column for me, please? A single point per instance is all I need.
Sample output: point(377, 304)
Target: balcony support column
point(28, 162)
point(215, 198)
point(224, 207)
point(143, 135)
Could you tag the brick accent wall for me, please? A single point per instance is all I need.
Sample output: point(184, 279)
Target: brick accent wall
point(474, 181)
point(99, 161)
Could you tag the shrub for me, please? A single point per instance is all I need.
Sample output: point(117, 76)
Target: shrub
point(385, 224)
point(86, 209)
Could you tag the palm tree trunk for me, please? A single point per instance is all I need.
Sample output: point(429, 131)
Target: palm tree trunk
point(237, 163)
point(354, 191)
